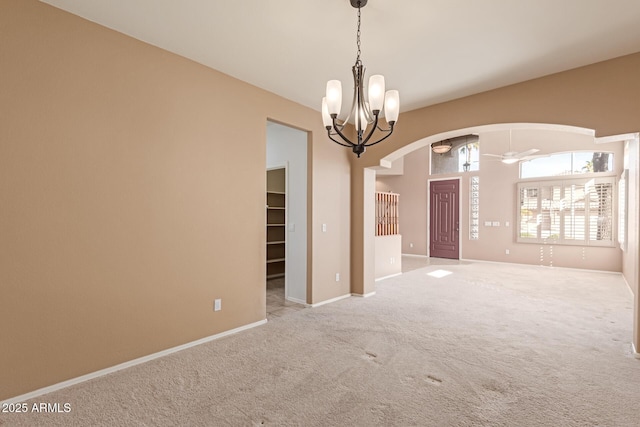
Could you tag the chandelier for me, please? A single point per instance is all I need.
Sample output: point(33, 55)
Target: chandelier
point(364, 110)
point(441, 147)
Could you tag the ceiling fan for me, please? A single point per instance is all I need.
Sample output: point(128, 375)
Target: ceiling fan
point(511, 157)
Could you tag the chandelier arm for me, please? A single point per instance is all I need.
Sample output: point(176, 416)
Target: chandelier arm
point(338, 142)
point(355, 95)
point(341, 134)
point(337, 126)
point(359, 96)
point(345, 121)
point(383, 138)
point(373, 129)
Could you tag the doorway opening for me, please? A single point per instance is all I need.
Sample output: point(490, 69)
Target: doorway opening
point(444, 218)
point(276, 223)
point(286, 219)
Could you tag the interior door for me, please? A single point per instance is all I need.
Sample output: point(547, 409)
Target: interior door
point(444, 214)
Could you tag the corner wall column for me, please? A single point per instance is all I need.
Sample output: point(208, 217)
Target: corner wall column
point(363, 232)
point(633, 216)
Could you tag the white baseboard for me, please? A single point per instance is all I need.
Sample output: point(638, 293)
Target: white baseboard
point(416, 255)
point(329, 301)
point(370, 294)
point(297, 301)
point(542, 266)
point(388, 277)
point(628, 286)
point(126, 365)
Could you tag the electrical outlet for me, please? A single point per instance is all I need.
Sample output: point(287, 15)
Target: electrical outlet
point(217, 305)
point(337, 277)
point(506, 251)
point(324, 228)
point(410, 245)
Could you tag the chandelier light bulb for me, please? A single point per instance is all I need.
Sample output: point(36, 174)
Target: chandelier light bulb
point(392, 106)
point(376, 92)
point(326, 117)
point(362, 126)
point(334, 96)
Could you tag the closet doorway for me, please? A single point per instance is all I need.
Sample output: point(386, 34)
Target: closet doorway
point(286, 200)
point(276, 225)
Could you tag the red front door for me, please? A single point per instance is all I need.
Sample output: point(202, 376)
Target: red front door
point(444, 219)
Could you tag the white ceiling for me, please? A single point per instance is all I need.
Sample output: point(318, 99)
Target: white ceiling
point(430, 50)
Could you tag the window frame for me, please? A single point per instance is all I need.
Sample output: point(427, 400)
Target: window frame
point(474, 207)
point(623, 209)
point(572, 173)
point(567, 182)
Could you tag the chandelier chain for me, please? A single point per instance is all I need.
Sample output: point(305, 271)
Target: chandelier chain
point(358, 36)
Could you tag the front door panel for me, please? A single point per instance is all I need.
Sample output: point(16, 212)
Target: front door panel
point(444, 219)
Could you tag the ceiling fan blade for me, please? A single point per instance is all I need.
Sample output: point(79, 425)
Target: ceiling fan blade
point(527, 153)
point(492, 155)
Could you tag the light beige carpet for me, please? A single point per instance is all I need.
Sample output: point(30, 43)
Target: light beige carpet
point(487, 345)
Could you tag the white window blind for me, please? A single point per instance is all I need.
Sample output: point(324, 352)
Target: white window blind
point(571, 212)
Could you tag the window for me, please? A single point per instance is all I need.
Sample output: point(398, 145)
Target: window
point(571, 212)
point(560, 164)
point(623, 202)
point(463, 157)
point(474, 208)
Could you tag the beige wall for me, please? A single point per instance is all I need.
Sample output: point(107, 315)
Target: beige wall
point(363, 232)
point(132, 183)
point(388, 256)
point(131, 189)
point(602, 96)
point(498, 202)
point(412, 187)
